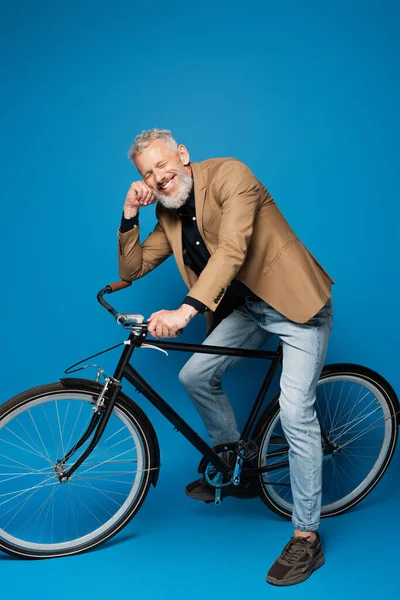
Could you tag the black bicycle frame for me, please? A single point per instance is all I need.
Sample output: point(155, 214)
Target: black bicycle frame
point(177, 421)
point(125, 370)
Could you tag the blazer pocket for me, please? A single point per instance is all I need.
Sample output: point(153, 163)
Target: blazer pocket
point(280, 252)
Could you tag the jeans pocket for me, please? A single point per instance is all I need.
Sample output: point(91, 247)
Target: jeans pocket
point(326, 314)
point(323, 318)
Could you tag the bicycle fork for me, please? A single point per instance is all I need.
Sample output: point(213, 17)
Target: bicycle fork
point(102, 412)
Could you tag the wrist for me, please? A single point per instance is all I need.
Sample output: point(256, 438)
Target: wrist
point(130, 212)
point(188, 311)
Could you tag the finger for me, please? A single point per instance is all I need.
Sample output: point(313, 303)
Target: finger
point(151, 328)
point(134, 190)
point(146, 193)
point(144, 186)
point(154, 314)
point(153, 324)
point(159, 329)
point(131, 195)
point(149, 197)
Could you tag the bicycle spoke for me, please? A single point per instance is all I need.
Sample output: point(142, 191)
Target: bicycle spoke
point(17, 462)
point(72, 512)
point(88, 509)
point(356, 420)
point(18, 475)
point(328, 408)
point(103, 462)
point(339, 417)
point(59, 428)
point(337, 405)
point(34, 448)
point(348, 416)
point(355, 417)
point(23, 449)
point(37, 511)
point(23, 504)
point(20, 492)
point(49, 502)
point(75, 424)
point(39, 436)
point(91, 486)
point(357, 436)
point(88, 527)
point(113, 446)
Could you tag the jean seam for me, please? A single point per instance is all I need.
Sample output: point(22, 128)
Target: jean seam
point(310, 480)
point(312, 491)
point(216, 400)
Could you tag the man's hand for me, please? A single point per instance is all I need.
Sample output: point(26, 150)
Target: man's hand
point(167, 323)
point(139, 194)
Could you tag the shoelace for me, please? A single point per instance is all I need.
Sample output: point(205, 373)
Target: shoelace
point(296, 548)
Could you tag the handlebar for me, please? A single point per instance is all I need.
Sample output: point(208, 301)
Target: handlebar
point(109, 289)
point(126, 320)
point(134, 321)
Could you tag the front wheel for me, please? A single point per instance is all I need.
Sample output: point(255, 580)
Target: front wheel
point(43, 518)
point(357, 411)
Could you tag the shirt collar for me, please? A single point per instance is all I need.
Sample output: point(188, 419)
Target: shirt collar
point(188, 209)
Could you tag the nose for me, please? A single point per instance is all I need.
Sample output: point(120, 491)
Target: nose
point(158, 176)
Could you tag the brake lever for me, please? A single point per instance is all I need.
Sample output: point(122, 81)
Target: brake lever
point(151, 347)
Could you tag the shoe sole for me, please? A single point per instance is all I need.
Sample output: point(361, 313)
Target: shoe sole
point(320, 561)
point(208, 500)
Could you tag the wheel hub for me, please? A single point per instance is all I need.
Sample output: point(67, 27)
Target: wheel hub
point(60, 471)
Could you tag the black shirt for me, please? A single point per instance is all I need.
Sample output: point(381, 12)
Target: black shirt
point(196, 256)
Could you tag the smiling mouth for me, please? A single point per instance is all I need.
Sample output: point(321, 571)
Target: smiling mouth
point(167, 185)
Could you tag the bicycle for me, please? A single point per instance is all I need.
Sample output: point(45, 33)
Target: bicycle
point(78, 456)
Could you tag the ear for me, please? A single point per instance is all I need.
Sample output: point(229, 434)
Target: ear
point(184, 154)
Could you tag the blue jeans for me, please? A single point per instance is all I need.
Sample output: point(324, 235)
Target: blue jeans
point(304, 350)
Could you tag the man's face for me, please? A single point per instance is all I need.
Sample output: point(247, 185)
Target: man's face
point(164, 172)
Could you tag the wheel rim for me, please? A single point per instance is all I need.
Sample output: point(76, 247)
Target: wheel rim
point(357, 418)
point(37, 513)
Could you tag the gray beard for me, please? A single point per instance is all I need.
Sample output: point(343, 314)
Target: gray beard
point(185, 187)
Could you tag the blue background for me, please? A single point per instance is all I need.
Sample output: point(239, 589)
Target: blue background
point(307, 94)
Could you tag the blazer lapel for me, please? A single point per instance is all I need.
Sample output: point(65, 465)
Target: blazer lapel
point(199, 195)
point(173, 225)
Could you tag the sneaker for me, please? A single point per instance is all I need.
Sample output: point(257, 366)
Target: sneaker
point(298, 560)
point(201, 490)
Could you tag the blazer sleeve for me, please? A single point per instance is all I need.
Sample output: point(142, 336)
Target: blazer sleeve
point(136, 259)
point(240, 195)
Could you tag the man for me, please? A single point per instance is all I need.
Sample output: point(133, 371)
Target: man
point(252, 277)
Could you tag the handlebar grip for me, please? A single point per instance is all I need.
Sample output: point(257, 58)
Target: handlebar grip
point(119, 285)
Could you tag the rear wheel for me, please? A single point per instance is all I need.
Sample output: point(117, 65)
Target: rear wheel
point(356, 409)
point(41, 517)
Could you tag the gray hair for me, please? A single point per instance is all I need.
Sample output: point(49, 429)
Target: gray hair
point(146, 137)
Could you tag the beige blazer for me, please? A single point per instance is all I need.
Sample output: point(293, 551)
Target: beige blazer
point(247, 237)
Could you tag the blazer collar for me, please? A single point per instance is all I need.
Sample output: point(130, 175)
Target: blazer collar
point(199, 194)
point(172, 221)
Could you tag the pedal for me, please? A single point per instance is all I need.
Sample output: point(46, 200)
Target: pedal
point(219, 448)
point(246, 450)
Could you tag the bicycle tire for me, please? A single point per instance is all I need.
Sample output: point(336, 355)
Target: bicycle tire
point(333, 374)
point(125, 412)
